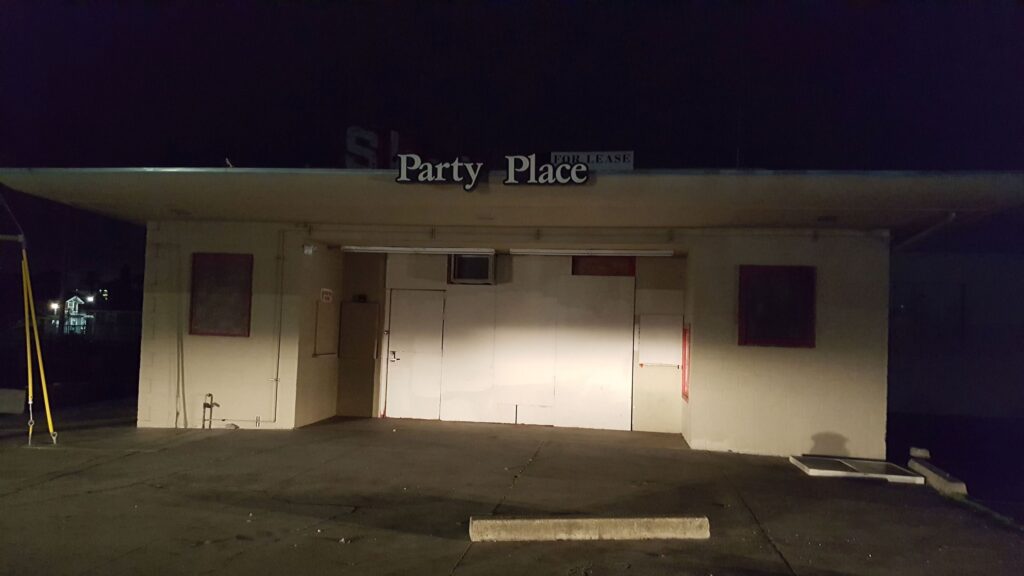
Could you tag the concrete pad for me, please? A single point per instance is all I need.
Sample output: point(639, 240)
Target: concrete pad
point(389, 496)
point(937, 478)
point(558, 529)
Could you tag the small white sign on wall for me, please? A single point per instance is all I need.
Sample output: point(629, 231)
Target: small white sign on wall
point(326, 295)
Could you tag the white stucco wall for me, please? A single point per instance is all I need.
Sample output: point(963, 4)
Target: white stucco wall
point(780, 401)
point(317, 388)
point(761, 400)
point(177, 369)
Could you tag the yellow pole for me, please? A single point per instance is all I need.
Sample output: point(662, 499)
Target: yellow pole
point(39, 350)
point(28, 348)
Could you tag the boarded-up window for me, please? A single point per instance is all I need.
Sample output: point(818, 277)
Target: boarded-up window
point(221, 294)
point(603, 266)
point(776, 306)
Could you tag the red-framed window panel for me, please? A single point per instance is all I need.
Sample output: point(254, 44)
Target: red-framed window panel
point(686, 363)
point(221, 303)
point(777, 306)
point(604, 266)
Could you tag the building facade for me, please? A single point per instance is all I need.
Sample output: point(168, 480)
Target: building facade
point(747, 312)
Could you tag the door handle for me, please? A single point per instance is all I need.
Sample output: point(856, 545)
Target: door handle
point(394, 356)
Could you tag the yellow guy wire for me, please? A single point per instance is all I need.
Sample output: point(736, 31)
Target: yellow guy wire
point(39, 350)
point(28, 348)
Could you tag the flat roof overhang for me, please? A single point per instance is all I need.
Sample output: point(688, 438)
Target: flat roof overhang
point(683, 199)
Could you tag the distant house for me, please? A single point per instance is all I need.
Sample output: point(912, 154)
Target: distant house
point(75, 320)
point(92, 316)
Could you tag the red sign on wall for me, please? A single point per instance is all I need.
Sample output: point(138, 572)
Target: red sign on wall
point(686, 363)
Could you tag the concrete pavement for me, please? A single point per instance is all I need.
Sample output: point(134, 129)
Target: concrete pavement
point(395, 497)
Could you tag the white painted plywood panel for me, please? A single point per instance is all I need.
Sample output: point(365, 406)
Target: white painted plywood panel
point(467, 377)
point(537, 415)
point(417, 271)
point(526, 330)
point(594, 364)
point(661, 340)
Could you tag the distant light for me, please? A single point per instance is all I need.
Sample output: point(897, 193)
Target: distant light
point(90, 298)
point(54, 306)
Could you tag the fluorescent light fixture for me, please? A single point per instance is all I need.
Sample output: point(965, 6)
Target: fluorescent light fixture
point(543, 252)
point(415, 250)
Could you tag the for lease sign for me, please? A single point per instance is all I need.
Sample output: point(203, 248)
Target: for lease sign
point(615, 161)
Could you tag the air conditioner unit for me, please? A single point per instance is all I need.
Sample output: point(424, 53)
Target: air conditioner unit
point(471, 269)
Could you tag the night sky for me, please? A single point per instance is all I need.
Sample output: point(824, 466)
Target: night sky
point(715, 84)
point(823, 85)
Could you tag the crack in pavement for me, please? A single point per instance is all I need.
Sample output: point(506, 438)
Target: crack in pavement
point(764, 532)
point(95, 463)
point(164, 446)
point(515, 478)
point(461, 558)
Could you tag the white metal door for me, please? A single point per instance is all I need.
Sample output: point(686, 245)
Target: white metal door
point(414, 354)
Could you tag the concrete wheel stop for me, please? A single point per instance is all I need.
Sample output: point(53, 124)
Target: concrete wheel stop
point(510, 529)
point(943, 482)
